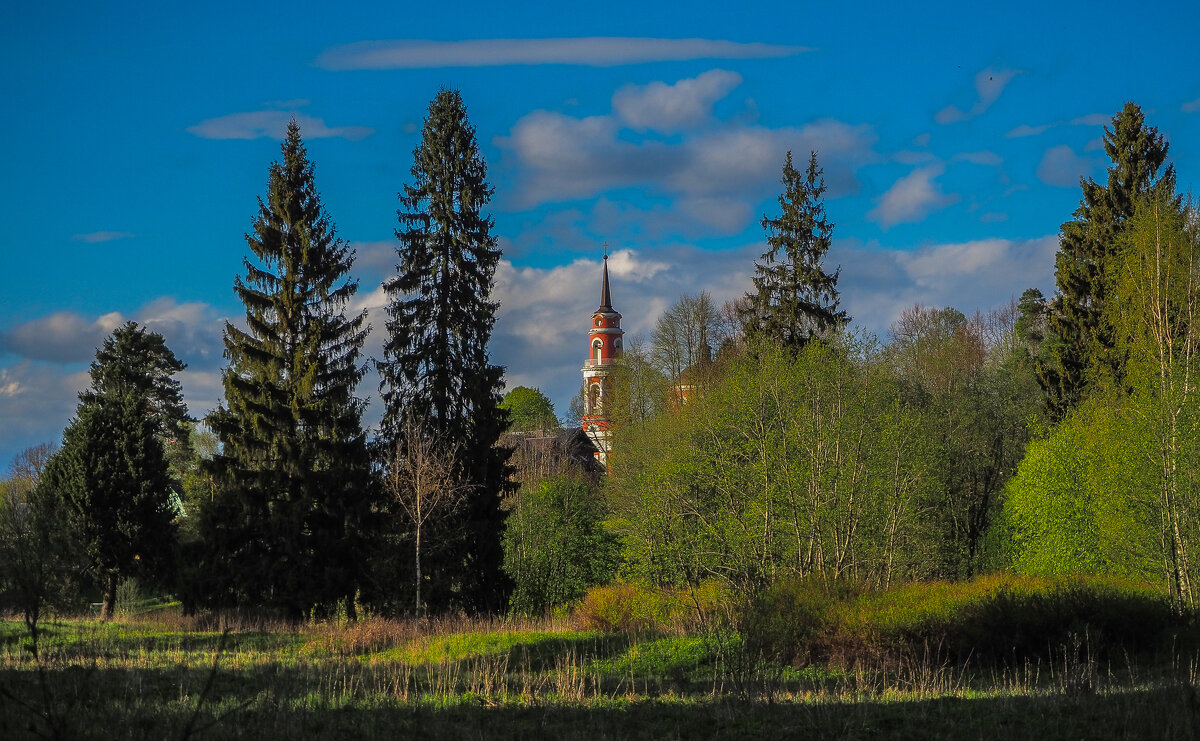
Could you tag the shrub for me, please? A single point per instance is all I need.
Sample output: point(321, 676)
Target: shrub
point(634, 608)
point(555, 545)
point(991, 620)
point(787, 621)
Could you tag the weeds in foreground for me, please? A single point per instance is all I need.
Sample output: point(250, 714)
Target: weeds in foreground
point(163, 674)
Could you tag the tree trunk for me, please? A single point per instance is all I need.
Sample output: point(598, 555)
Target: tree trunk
point(110, 598)
point(418, 584)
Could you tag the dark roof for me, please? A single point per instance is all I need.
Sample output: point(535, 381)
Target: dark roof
point(605, 301)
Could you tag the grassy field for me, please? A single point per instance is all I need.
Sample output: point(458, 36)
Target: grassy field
point(165, 676)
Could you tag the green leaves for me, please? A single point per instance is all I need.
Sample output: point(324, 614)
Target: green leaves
point(787, 465)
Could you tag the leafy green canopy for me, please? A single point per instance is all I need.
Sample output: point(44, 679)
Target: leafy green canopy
point(555, 544)
point(436, 367)
point(1114, 487)
point(794, 299)
point(798, 464)
point(289, 524)
point(529, 409)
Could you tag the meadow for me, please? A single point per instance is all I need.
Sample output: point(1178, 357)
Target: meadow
point(994, 658)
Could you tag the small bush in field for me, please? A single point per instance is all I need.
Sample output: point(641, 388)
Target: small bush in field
point(786, 621)
point(633, 608)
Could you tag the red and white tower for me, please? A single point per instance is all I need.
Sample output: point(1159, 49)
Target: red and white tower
point(604, 347)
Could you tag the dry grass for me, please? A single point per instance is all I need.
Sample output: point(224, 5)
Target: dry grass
point(241, 675)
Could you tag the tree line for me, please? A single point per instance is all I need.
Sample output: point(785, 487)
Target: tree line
point(757, 440)
point(767, 439)
point(286, 503)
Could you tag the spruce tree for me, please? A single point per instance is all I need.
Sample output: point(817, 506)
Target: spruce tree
point(1081, 347)
point(436, 367)
point(136, 359)
point(289, 525)
point(794, 300)
point(111, 475)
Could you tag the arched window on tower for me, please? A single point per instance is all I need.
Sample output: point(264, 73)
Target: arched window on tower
point(593, 398)
point(597, 349)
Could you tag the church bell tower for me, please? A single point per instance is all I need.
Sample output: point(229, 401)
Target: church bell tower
point(604, 347)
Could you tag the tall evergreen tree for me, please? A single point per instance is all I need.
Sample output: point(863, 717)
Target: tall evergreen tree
point(136, 359)
point(111, 475)
point(436, 367)
point(794, 299)
point(1080, 344)
point(289, 525)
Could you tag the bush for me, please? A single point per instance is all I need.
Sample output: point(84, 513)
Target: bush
point(788, 621)
point(991, 620)
point(633, 608)
point(555, 545)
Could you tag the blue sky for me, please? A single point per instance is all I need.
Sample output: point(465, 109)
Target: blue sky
point(137, 136)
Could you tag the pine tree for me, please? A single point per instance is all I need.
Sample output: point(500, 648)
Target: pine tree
point(137, 359)
point(795, 300)
point(111, 474)
point(436, 368)
point(289, 526)
point(1081, 346)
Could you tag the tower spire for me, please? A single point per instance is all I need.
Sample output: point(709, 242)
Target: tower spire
point(605, 301)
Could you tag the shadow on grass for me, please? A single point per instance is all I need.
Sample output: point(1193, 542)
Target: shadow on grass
point(288, 702)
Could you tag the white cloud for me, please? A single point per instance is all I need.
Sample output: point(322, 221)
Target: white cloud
point(588, 51)
point(94, 237)
point(911, 198)
point(877, 283)
point(1091, 119)
point(1060, 166)
point(989, 83)
point(256, 124)
point(62, 337)
point(1191, 106)
point(9, 386)
point(662, 107)
point(541, 332)
point(375, 259)
point(562, 158)
point(40, 406)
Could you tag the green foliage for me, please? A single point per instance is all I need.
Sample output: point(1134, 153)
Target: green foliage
point(529, 409)
point(555, 544)
point(436, 367)
point(136, 359)
point(794, 299)
point(788, 465)
point(1082, 345)
point(629, 607)
point(290, 521)
point(112, 478)
point(786, 621)
point(975, 388)
point(39, 562)
point(991, 620)
point(1073, 505)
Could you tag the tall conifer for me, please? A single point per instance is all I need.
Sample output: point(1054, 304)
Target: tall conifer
point(794, 299)
point(111, 475)
point(1080, 344)
point(436, 367)
point(289, 525)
